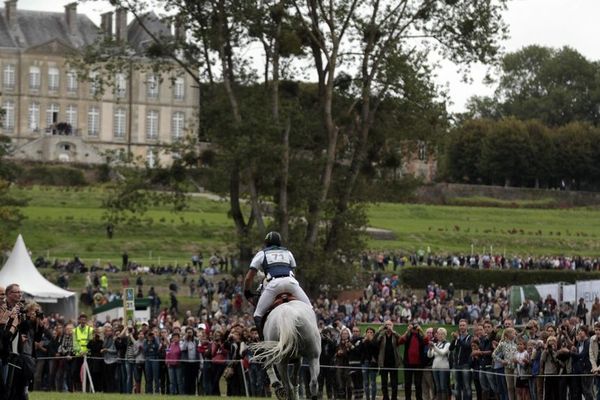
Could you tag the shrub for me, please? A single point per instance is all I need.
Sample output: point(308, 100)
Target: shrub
point(470, 279)
point(53, 175)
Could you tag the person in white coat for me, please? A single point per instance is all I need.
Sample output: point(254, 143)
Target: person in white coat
point(440, 351)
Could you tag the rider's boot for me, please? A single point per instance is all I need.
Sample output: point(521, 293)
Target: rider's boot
point(259, 328)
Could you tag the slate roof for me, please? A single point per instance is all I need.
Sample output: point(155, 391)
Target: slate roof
point(38, 27)
point(139, 39)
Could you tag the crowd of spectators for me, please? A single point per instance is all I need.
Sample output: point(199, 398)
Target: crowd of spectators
point(380, 261)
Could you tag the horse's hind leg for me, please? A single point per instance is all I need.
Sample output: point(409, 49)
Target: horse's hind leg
point(294, 379)
point(313, 366)
point(276, 384)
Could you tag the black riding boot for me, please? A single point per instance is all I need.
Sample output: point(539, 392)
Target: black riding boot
point(259, 327)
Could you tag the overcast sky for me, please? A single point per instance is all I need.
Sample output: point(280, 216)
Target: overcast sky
point(554, 23)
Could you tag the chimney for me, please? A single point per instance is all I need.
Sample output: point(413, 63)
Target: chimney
point(121, 25)
point(179, 29)
point(10, 13)
point(71, 17)
point(106, 24)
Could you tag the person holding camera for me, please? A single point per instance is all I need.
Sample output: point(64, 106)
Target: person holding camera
point(370, 352)
point(30, 331)
point(460, 348)
point(414, 341)
point(440, 351)
point(388, 359)
point(550, 366)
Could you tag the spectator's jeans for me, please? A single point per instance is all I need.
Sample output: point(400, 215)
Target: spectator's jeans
point(511, 380)
point(129, 373)
point(152, 377)
point(582, 385)
point(412, 374)
point(487, 380)
point(462, 377)
point(257, 384)
point(428, 386)
point(392, 373)
point(441, 377)
point(176, 379)
point(190, 375)
point(532, 388)
point(501, 389)
point(370, 381)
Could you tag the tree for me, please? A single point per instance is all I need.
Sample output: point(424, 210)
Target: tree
point(506, 153)
point(556, 86)
point(305, 146)
point(463, 150)
point(10, 214)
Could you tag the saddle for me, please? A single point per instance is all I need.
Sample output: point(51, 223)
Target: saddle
point(279, 300)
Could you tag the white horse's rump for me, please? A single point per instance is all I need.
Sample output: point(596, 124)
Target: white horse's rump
point(291, 335)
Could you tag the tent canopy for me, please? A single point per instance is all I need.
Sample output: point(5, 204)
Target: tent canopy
point(20, 269)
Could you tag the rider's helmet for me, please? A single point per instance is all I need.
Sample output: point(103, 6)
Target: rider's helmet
point(273, 239)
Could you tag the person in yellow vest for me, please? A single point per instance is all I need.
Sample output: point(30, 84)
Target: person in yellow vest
point(104, 283)
point(82, 335)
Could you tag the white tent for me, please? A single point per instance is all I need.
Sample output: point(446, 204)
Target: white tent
point(20, 269)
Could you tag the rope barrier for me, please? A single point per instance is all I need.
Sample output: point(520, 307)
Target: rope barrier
point(326, 366)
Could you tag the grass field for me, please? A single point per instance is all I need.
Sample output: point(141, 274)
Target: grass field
point(63, 222)
point(103, 396)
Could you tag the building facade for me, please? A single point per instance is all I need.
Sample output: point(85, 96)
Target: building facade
point(53, 115)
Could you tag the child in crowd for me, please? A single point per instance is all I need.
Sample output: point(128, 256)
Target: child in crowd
point(522, 361)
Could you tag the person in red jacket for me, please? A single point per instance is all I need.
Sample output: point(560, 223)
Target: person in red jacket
point(415, 341)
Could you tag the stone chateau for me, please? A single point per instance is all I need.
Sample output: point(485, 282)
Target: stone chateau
point(53, 115)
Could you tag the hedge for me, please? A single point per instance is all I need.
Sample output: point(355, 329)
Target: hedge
point(53, 175)
point(470, 279)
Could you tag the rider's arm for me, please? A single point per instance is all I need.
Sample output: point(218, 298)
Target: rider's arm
point(248, 281)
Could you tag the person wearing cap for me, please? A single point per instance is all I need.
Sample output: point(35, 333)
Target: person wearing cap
point(278, 264)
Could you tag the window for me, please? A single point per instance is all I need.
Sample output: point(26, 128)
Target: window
point(94, 84)
point(179, 89)
point(53, 78)
point(93, 127)
point(120, 85)
point(152, 86)
point(34, 77)
point(9, 76)
point(119, 123)
point(71, 116)
point(9, 115)
point(177, 125)
point(52, 114)
point(33, 118)
point(152, 124)
point(72, 82)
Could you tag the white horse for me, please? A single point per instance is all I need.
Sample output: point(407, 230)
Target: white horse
point(291, 335)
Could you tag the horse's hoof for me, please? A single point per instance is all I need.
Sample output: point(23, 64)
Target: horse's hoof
point(279, 391)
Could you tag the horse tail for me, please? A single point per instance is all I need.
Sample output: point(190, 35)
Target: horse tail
point(275, 352)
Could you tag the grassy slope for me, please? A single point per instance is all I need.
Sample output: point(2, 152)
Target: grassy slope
point(518, 231)
point(65, 222)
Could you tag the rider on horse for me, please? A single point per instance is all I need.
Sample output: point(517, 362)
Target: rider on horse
point(278, 264)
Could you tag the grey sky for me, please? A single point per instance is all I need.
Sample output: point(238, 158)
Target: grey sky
point(554, 23)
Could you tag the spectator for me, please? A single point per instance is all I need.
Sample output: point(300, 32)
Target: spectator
point(355, 361)
point(388, 359)
point(82, 334)
point(151, 356)
point(173, 361)
point(504, 356)
point(582, 368)
point(342, 362)
point(523, 371)
point(95, 360)
point(414, 341)
point(550, 366)
point(460, 348)
point(440, 352)
point(190, 361)
point(109, 350)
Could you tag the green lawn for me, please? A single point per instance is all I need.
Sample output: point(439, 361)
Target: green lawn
point(63, 222)
point(102, 396)
point(515, 231)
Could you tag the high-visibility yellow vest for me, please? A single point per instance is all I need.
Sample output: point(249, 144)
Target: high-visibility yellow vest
point(81, 338)
point(104, 282)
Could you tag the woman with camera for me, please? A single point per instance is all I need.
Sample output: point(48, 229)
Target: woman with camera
point(440, 351)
